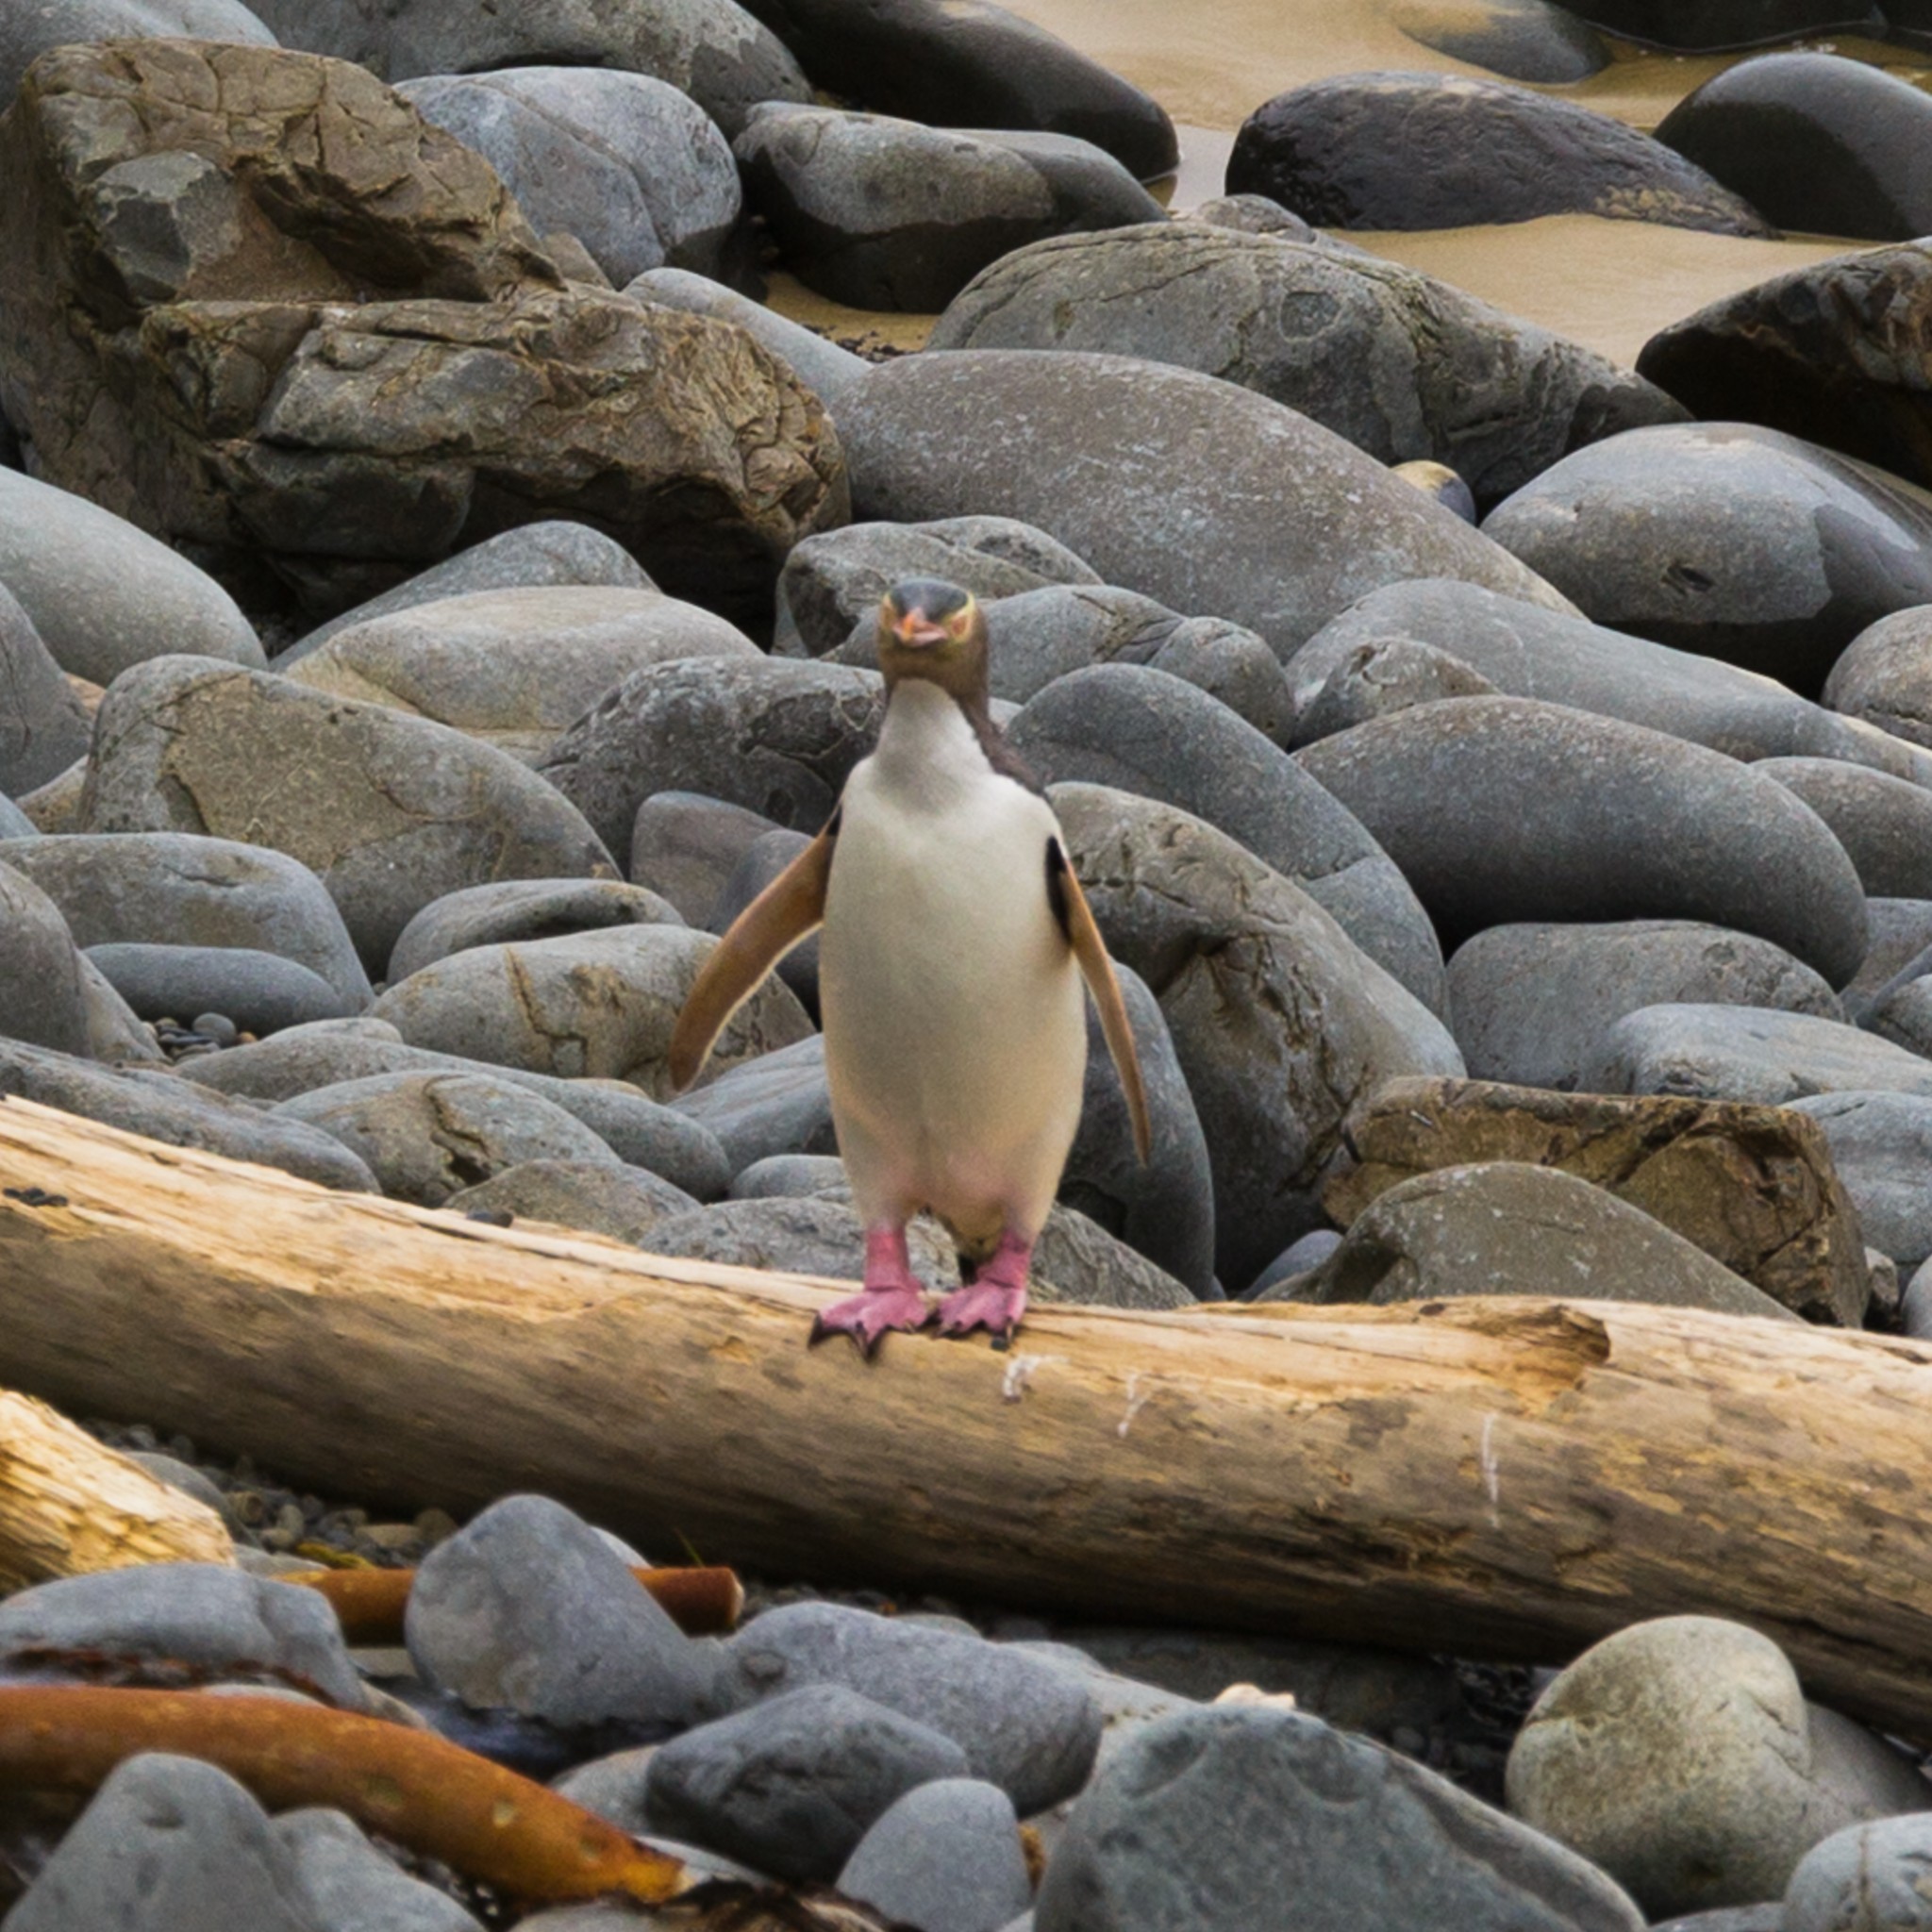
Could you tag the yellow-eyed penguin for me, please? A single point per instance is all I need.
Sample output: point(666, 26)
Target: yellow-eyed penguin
point(956, 939)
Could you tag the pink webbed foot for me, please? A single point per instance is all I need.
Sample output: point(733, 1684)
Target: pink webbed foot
point(891, 1298)
point(996, 1299)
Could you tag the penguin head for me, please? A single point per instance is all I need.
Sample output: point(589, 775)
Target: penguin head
point(933, 629)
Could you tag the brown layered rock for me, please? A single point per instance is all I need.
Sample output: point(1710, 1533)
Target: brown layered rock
point(253, 301)
point(1754, 1187)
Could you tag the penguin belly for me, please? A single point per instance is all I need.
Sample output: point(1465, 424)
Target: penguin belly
point(955, 1032)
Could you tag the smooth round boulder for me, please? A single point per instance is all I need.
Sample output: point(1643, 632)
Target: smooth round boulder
point(684, 847)
point(552, 552)
point(24, 33)
point(1327, 1809)
point(1814, 142)
point(522, 909)
point(1126, 462)
point(773, 1103)
point(1884, 824)
point(1520, 39)
point(179, 888)
point(427, 1136)
point(1450, 151)
point(1724, 539)
point(514, 668)
point(625, 1203)
point(1409, 642)
point(1881, 1146)
point(630, 165)
point(260, 992)
point(1718, 26)
point(1885, 675)
point(1279, 1021)
point(43, 726)
point(43, 991)
point(1865, 1878)
point(1747, 1053)
point(1402, 365)
point(777, 738)
point(103, 595)
point(959, 62)
point(1503, 810)
point(391, 811)
point(1680, 1756)
point(1506, 1227)
point(1528, 1003)
point(1138, 730)
point(597, 1005)
point(883, 213)
point(946, 1857)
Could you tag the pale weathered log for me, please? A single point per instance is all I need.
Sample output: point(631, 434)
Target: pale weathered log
point(1488, 1478)
point(69, 1505)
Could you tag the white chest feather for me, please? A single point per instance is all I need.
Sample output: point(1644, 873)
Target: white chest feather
point(955, 1036)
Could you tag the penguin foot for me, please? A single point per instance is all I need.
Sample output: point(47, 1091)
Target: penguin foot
point(869, 1316)
point(985, 1304)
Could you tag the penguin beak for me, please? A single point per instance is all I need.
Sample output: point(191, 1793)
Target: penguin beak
point(918, 631)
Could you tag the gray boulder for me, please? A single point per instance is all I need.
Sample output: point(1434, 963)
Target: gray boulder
point(778, 738)
point(528, 1609)
point(1023, 1725)
point(116, 1036)
point(1500, 810)
point(1163, 1208)
point(514, 668)
point(1364, 663)
point(772, 1103)
point(789, 1177)
point(636, 1129)
point(1724, 539)
point(951, 61)
point(1125, 462)
point(1904, 1015)
point(710, 49)
point(824, 367)
point(179, 888)
point(103, 595)
point(44, 725)
point(1138, 730)
point(765, 858)
point(44, 997)
point(630, 165)
point(425, 1136)
point(1521, 39)
point(1528, 1003)
point(1899, 951)
point(261, 992)
point(56, 22)
point(884, 213)
point(351, 1887)
point(529, 556)
point(1404, 366)
point(1747, 1053)
point(399, 810)
point(1865, 1878)
point(1264, 1821)
point(1680, 1756)
point(1884, 824)
point(792, 1785)
point(1279, 1021)
point(164, 1107)
point(586, 1004)
point(945, 1858)
point(163, 1837)
point(522, 909)
point(1884, 676)
point(217, 1623)
point(684, 847)
point(625, 1203)
point(1450, 151)
point(1881, 1145)
point(832, 582)
point(1504, 1227)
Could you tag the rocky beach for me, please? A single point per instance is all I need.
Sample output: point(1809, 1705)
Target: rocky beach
point(1448, 485)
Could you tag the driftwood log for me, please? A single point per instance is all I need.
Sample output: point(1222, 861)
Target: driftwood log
point(69, 1505)
point(1501, 1477)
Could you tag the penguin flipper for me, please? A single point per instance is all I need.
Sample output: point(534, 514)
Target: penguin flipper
point(1083, 934)
point(790, 908)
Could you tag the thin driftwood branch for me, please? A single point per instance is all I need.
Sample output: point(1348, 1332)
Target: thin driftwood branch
point(1494, 1477)
point(69, 1505)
